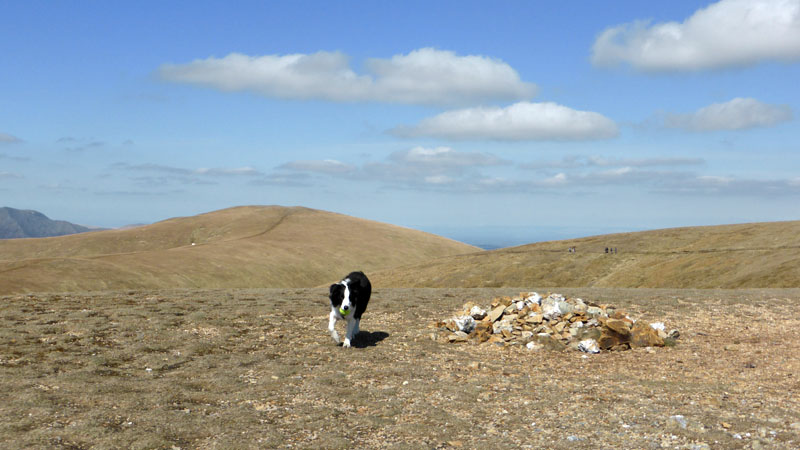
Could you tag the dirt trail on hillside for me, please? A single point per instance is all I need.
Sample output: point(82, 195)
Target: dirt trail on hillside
point(257, 369)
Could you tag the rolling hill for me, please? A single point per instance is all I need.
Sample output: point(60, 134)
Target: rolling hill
point(24, 223)
point(253, 246)
point(757, 255)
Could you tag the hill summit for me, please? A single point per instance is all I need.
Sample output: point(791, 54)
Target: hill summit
point(245, 247)
point(26, 223)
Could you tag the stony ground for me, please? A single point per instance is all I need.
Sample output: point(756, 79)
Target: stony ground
point(257, 369)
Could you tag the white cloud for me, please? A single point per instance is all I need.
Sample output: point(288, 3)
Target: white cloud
point(8, 139)
point(737, 114)
point(294, 179)
point(443, 157)
point(421, 167)
point(149, 167)
point(8, 175)
point(518, 122)
point(558, 179)
point(724, 34)
point(326, 166)
point(180, 175)
point(414, 168)
point(13, 158)
point(726, 185)
point(443, 169)
point(439, 179)
point(643, 162)
point(575, 162)
point(424, 76)
point(236, 171)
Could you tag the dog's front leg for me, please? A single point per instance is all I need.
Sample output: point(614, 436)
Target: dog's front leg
point(332, 329)
point(351, 325)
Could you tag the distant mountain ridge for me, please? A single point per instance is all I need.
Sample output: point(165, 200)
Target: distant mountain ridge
point(26, 223)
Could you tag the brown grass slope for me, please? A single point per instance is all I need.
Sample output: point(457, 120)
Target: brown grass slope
point(254, 246)
point(752, 255)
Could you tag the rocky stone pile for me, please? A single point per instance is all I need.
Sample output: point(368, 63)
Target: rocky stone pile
point(553, 322)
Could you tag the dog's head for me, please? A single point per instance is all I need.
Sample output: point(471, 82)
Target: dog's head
point(340, 296)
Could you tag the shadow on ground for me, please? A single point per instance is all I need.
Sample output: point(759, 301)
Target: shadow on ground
point(366, 339)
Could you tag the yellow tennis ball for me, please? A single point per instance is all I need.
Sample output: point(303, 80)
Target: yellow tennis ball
point(344, 312)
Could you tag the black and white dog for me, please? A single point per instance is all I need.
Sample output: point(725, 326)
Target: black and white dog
point(349, 299)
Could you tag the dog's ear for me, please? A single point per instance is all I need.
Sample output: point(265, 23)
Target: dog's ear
point(330, 291)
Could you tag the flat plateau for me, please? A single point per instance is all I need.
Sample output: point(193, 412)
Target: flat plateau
point(256, 368)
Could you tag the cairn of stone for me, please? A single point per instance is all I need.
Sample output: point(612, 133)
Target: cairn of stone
point(555, 323)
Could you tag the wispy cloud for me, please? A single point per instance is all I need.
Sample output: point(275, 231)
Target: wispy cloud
point(444, 158)
point(9, 175)
point(672, 182)
point(417, 166)
point(575, 162)
point(8, 139)
point(180, 175)
point(736, 114)
point(443, 169)
point(730, 186)
point(424, 76)
point(523, 121)
point(14, 158)
point(227, 172)
point(283, 179)
point(327, 166)
point(76, 145)
point(725, 34)
point(139, 193)
point(149, 167)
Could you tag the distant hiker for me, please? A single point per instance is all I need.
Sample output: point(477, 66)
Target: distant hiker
point(606, 249)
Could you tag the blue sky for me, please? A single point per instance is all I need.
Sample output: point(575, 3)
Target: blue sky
point(533, 120)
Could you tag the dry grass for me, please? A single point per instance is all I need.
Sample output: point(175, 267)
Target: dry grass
point(760, 255)
point(256, 369)
point(237, 247)
point(137, 367)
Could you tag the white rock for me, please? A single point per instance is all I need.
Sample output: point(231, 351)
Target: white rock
point(465, 324)
point(595, 311)
point(677, 421)
point(550, 309)
point(588, 346)
point(532, 298)
point(477, 312)
point(501, 325)
point(533, 345)
point(658, 326)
